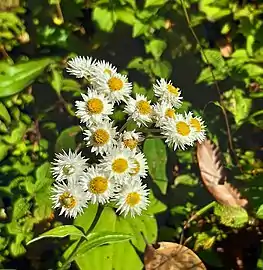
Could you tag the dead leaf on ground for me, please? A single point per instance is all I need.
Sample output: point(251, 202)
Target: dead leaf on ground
point(214, 176)
point(171, 256)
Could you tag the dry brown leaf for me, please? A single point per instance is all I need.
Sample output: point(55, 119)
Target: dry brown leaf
point(214, 175)
point(171, 256)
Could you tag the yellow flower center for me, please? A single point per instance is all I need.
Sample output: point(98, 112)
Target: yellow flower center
point(68, 169)
point(115, 84)
point(182, 128)
point(67, 200)
point(98, 185)
point(120, 165)
point(95, 105)
point(196, 124)
point(101, 136)
point(170, 113)
point(143, 107)
point(130, 143)
point(173, 90)
point(133, 198)
point(136, 169)
point(107, 71)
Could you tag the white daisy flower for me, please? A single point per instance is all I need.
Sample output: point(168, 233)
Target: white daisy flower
point(131, 139)
point(80, 66)
point(139, 109)
point(198, 125)
point(178, 132)
point(103, 67)
point(133, 198)
point(162, 111)
point(68, 166)
point(140, 169)
point(167, 92)
point(119, 163)
point(99, 188)
point(94, 107)
point(70, 198)
point(101, 137)
point(115, 86)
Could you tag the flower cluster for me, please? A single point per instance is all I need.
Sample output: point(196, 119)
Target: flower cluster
point(118, 175)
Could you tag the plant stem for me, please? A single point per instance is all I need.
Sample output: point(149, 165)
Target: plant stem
point(124, 126)
point(92, 226)
point(230, 140)
point(200, 212)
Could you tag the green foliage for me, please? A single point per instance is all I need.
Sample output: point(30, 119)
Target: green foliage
point(231, 216)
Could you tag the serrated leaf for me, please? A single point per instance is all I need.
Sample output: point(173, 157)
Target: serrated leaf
point(161, 69)
point(59, 232)
point(21, 206)
point(237, 104)
point(213, 57)
point(155, 152)
point(139, 28)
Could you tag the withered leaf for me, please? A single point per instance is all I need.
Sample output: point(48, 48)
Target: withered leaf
point(171, 256)
point(214, 176)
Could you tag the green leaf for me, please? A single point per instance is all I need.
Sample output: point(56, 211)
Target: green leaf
point(19, 76)
point(56, 80)
point(126, 15)
point(213, 57)
point(253, 70)
point(260, 212)
point(21, 206)
point(16, 247)
point(155, 152)
point(101, 238)
point(156, 47)
point(154, 3)
point(108, 257)
point(3, 150)
point(4, 114)
point(136, 63)
point(139, 28)
point(185, 179)
point(17, 134)
point(59, 232)
point(43, 171)
point(66, 139)
point(70, 85)
point(237, 104)
point(206, 76)
point(161, 69)
point(104, 18)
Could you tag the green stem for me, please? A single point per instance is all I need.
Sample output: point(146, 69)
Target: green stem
point(92, 226)
point(124, 126)
point(200, 212)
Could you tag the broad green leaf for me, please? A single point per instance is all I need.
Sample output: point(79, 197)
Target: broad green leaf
point(126, 15)
point(110, 257)
point(154, 3)
point(21, 206)
point(136, 63)
point(101, 238)
point(155, 206)
point(237, 104)
point(213, 57)
point(213, 10)
point(19, 76)
point(4, 114)
point(66, 139)
point(104, 18)
point(16, 247)
point(156, 47)
point(260, 212)
point(253, 70)
point(60, 232)
point(70, 85)
point(155, 152)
